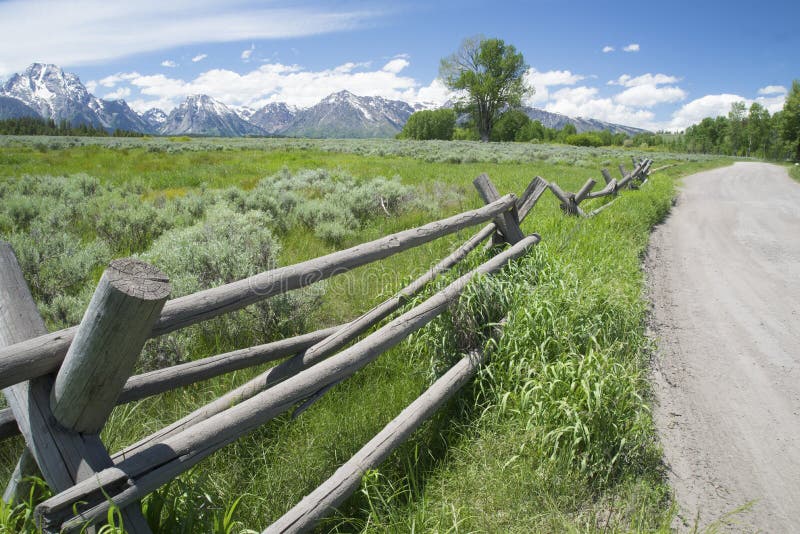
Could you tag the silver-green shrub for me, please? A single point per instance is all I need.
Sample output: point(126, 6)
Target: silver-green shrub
point(224, 247)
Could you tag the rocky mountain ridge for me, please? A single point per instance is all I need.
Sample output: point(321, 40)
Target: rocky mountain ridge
point(45, 90)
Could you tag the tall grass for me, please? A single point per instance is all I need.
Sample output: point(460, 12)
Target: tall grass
point(554, 434)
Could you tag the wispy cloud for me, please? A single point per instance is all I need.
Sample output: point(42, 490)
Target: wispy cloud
point(169, 63)
point(199, 57)
point(247, 53)
point(607, 49)
point(633, 47)
point(81, 32)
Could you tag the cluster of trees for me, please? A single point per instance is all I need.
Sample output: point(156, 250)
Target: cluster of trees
point(745, 131)
point(39, 126)
point(430, 124)
point(511, 125)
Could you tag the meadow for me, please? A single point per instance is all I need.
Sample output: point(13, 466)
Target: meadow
point(554, 434)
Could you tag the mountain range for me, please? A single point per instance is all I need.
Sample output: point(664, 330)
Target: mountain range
point(46, 91)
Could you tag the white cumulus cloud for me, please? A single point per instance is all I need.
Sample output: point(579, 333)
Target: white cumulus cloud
point(607, 49)
point(626, 80)
point(396, 65)
point(584, 102)
point(773, 89)
point(293, 84)
point(650, 95)
point(199, 57)
point(169, 63)
point(633, 47)
point(542, 81)
point(119, 94)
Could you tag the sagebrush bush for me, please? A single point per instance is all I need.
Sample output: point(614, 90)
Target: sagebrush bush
point(224, 247)
point(57, 263)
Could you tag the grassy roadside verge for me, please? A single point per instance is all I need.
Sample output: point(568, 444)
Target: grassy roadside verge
point(555, 435)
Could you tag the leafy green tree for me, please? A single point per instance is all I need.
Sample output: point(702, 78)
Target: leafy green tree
point(508, 125)
point(565, 132)
point(430, 124)
point(758, 126)
point(530, 131)
point(584, 139)
point(492, 74)
point(736, 126)
point(790, 120)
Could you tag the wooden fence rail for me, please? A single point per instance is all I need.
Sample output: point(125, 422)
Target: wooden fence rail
point(62, 386)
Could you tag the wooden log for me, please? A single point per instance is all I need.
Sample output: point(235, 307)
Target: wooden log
point(663, 167)
point(610, 189)
point(145, 472)
point(313, 354)
point(121, 314)
point(601, 208)
point(44, 354)
point(622, 171)
point(530, 197)
point(568, 204)
point(628, 178)
point(585, 190)
point(19, 320)
point(606, 175)
point(148, 384)
point(347, 479)
point(64, 457)
point(508, 221)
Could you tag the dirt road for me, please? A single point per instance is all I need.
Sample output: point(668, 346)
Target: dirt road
point(724, 279)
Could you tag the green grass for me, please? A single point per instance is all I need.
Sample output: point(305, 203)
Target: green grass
point(794, 172)
point(554, 435)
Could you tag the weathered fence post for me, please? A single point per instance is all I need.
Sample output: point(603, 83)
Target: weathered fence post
point(120, 316)
point(530, 197)
point(64, 457)
point(568, 204)
point(508, 221)
point(19, 320)
point(584, 191)
point(606, 175)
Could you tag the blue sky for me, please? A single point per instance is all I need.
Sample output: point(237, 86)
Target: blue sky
point(684, 60)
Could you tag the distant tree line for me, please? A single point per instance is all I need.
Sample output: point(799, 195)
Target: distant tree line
point(40, 126)
point(512, 125)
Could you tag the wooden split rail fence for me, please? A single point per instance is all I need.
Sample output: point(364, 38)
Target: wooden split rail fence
point(61, 386)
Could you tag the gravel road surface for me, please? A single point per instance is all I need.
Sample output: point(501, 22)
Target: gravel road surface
point(724, 281)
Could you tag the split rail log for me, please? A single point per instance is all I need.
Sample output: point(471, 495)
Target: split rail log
point(530, 197)
point(569, 201)
point(313, 354)
point(346, 480)
point(44, 354)
point(609, 189)
point(65, 457)
point(606, 175)
point(507, 222)
point(143, 473)
point(161, 380)
point(19, 320)
point(630, 177)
